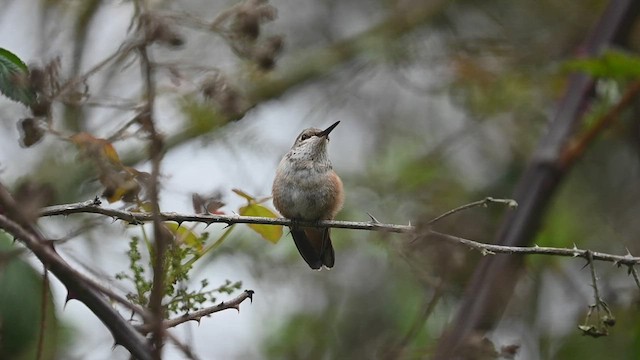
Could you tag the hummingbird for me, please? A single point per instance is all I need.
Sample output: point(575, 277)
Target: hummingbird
point(307, 188)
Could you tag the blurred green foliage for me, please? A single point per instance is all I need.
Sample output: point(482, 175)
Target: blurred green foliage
point(21, 309)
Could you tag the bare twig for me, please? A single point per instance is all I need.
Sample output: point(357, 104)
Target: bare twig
point(119, 54)
point(594, 277)
point(491, 249)
point(509, 202)
point(198, 315)
point(579, 145)
point(603, 322)
point(634, 272)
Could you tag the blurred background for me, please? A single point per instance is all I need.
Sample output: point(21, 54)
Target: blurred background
point(436, 112)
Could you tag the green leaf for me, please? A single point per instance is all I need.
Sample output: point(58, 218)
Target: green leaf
point(21, 291)
point(14, 78)
point(273, 233)
point(611, 64)
point(184, 235)
point(14, 59)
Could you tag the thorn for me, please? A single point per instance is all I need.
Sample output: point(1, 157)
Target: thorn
point(486, 252)
point(409, 222)
point(373, 219)
point(237, 307)
point(585, 265)
point(250, 294)
point(536, 246)
point(576, 251)
point(628, 253)
point(49, 244)
point(227, 226)
point(70, 296)
point(96, 201)
point(207, 225)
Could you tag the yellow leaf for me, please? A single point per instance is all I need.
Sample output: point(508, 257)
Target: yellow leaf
point(273, 233)
point(96, 148)
point(184, 235)
point(110, 152)
point(243, 194)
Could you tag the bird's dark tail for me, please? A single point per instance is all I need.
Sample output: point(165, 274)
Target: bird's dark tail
point(315, 246)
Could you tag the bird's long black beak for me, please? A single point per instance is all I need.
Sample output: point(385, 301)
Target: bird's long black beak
point(325, 132)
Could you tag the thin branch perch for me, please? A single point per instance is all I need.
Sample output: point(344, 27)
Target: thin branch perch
point(93, 207)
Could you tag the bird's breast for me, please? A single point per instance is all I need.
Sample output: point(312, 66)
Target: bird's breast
point(307, 193)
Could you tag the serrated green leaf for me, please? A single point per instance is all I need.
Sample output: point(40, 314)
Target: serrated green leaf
point(14, 59)
point(184, 235)
point(273, 233)
point(14, 78)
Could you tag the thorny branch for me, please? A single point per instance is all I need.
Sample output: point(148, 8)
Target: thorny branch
point(603, 322)
point(78, 286)
point(198, 315)
point(93, 207)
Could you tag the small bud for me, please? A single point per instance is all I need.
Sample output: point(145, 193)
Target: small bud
point(246, 24)
point(265, 54)
point(31, 133)
point(158, 30)
point(41, 107)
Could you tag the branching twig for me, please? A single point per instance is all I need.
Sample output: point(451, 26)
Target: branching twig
point(119, 54)
point(509, 202)
point(579, 145)
point(491, 249)
point(603, 322)
point(198, 315)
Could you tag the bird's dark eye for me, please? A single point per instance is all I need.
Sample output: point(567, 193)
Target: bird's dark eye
point(304, 137)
